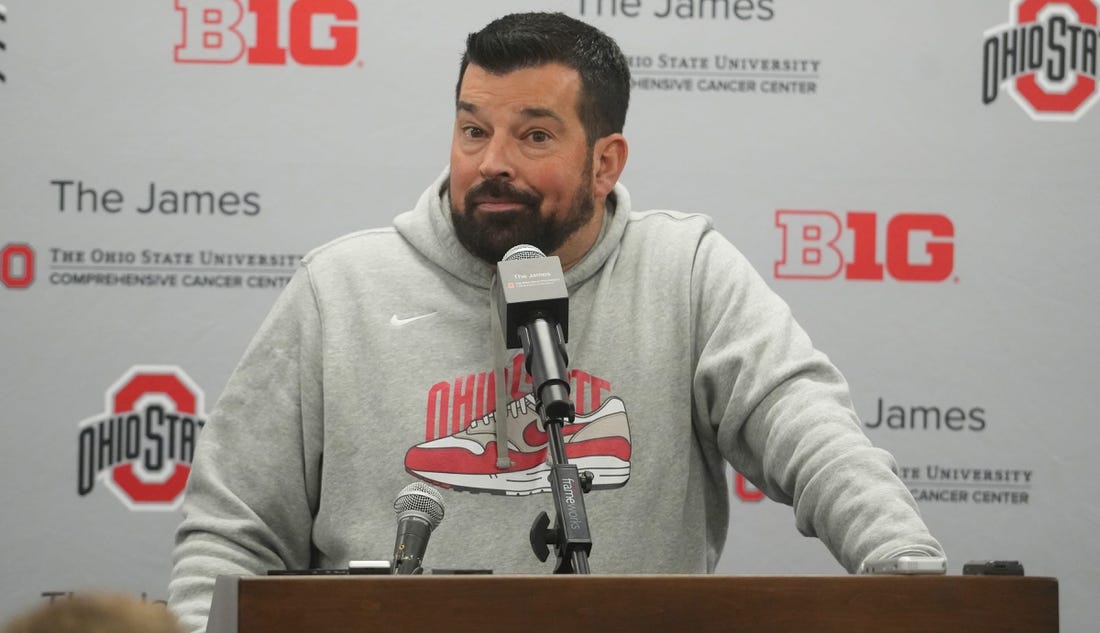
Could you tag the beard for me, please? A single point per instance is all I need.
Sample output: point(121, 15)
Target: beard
point(490, 235)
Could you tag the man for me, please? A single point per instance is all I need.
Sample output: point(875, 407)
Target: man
point(379, 363)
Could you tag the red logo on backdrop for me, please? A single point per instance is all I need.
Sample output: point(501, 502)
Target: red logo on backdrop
point(141, 446)
point(820, 245)
point(745, 491)
point(17, 266)
point(313, 32)
point(1045, 57)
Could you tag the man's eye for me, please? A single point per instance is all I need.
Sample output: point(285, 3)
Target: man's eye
point(472, 131)
point(539, 136)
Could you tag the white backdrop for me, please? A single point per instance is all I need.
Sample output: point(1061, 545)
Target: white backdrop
point(791, 122)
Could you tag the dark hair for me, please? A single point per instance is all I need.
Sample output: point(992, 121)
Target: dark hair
point(526, 40)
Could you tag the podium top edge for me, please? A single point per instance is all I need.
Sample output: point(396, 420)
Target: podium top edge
point(649, 577)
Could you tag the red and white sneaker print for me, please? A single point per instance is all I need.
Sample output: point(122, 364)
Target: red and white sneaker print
point(598, 442)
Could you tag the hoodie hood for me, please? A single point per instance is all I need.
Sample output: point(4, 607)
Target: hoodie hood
point(429, 229)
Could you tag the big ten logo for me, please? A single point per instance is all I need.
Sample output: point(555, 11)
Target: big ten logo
point(819, 245)
point(314, 32)
point(17, 265)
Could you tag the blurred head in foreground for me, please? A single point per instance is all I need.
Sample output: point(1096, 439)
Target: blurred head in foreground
point(96, 614)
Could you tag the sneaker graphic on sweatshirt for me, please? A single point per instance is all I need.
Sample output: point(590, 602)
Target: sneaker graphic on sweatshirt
point(598, 442)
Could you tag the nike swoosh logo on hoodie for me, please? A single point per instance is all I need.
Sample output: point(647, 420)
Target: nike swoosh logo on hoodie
point(398, 322)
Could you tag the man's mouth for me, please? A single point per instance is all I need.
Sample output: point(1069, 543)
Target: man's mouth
point(493, 197)
point(491, 205)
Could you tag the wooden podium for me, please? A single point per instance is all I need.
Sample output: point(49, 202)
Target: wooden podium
point(738, 604)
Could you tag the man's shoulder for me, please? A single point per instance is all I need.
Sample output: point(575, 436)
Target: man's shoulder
point(358, 246)
point(665, 224)
point(690, 238)
point(663, 219)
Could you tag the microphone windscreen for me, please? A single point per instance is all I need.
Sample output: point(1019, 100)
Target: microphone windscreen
point(422, 498)
point(522, 251)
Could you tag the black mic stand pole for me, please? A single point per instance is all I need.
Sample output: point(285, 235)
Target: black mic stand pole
point(544, 347)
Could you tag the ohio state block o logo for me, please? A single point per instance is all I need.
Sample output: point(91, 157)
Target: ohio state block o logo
point(1046, 57)
point(17, 265)
point(1082, 87)
point(142, 445)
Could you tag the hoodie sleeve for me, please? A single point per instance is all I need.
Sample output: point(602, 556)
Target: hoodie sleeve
point(782, 416)
point(254, 484)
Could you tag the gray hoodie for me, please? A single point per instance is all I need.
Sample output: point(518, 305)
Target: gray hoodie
point(375, 369)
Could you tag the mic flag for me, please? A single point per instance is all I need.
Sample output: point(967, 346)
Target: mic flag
point(533, 303)
point(530, 284)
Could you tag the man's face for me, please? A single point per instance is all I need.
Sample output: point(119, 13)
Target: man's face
point(521, 168)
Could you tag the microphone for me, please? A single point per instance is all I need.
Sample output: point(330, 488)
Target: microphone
point(533, 302)
point(419, 509)
point(529, 282)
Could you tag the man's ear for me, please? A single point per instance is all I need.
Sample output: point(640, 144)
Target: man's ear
point(608, 161)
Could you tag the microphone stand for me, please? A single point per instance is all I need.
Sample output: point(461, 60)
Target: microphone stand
point(544, 347)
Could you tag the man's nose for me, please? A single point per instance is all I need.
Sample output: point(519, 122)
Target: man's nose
point(497, 161)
